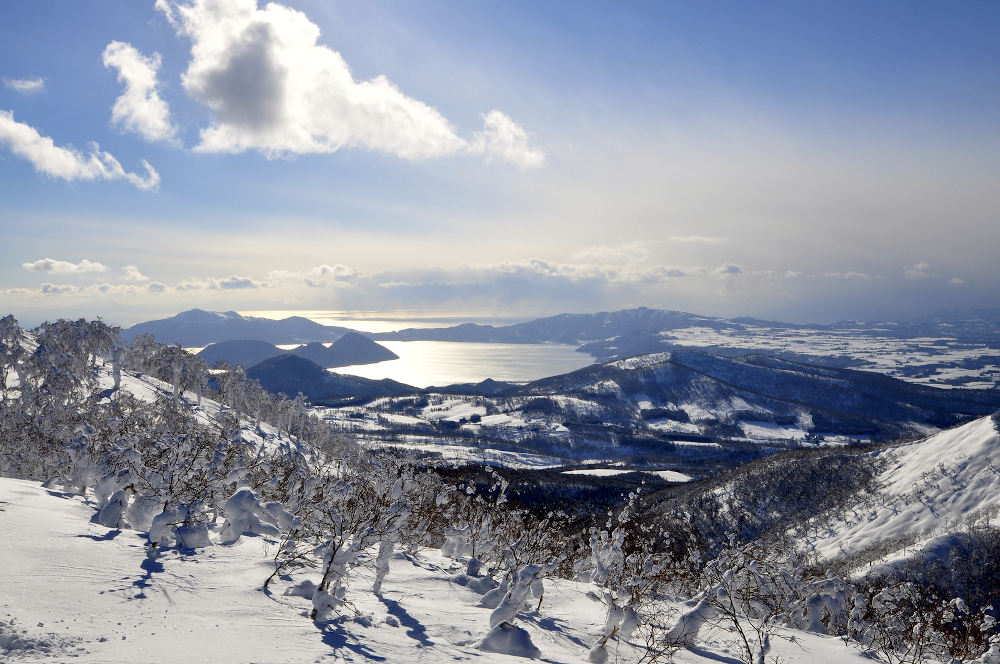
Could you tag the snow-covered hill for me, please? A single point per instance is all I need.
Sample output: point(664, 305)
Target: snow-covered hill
point(929, 487)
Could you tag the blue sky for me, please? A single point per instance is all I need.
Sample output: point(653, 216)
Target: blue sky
point(807, 161)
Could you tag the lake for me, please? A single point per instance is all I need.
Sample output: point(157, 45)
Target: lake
point(426, 363)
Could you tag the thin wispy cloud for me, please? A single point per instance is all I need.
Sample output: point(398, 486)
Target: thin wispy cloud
point(25, 85)
point(273, 87)
point(140, 109)
point(66, 163)
point(696, 239)
point(628, 252)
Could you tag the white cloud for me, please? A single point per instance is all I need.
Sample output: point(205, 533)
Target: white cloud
point(66, 163)
point(139, 109)
point(956, 281)
point(502, 139)
point(274, 88)
point(918, 271)
point(168, 11)
point(53, 266)
point(132, 273)
point(25, 85)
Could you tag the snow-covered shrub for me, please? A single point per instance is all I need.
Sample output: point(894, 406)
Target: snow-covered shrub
point(747, 589)
point(245, 515)
point(629, 564)
point(184, 526)
point(112, 512)
point(824, 605)
point(472, 515)
point(339, 516)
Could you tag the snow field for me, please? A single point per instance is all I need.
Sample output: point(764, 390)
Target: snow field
point(75, 590)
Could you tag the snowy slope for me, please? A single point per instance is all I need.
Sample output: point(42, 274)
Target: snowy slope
point(74, 590)
point(929, 487)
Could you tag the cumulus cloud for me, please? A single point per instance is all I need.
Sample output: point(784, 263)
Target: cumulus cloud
point(57, 289)
point(918, 271)
point(53, 266)
point(321, 276)
point(139, 109)
point(956, 281)
point(25, 85)
point(234, 283)
point(66, 163)
point(274, 88)
point(132, 273)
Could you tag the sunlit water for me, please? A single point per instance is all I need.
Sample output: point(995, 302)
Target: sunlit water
point(426, 363)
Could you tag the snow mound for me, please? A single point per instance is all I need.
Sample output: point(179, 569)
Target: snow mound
point(508, 639)
point(929, 488)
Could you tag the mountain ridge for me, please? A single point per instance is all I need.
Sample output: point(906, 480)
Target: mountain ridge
point(197, 327)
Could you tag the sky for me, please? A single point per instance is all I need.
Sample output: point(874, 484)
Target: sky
point(805, 161)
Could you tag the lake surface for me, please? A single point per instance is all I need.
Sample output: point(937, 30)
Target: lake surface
point(426, 363)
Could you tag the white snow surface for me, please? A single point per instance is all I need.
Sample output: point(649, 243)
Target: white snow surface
point(668, 475)
point(930, 488)
point(72, 590)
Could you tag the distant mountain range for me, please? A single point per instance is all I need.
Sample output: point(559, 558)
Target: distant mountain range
point(956, 347)
point(640, 326)
point(350, 349)
point(200, 328)
point(565, 328)
point(643, 324)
